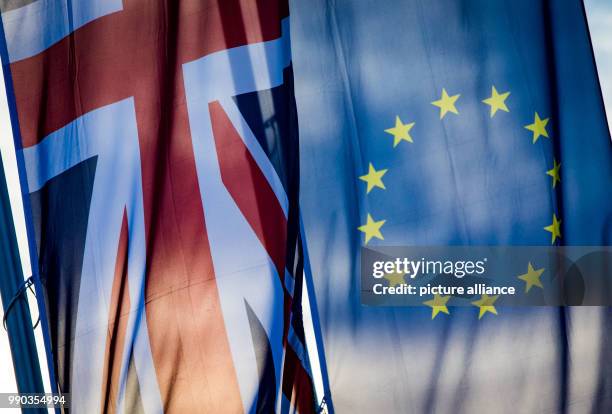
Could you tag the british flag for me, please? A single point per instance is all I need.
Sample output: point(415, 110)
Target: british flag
point(159, 149)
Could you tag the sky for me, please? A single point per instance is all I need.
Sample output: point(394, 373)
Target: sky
point(599, 13)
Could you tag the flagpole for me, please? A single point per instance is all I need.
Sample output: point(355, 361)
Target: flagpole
point(17, 319)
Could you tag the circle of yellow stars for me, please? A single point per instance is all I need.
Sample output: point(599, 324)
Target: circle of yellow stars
point(401, 132)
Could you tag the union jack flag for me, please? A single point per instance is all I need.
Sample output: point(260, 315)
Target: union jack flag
point(160, 152)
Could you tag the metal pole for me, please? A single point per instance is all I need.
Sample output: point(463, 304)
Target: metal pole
point(14, 300)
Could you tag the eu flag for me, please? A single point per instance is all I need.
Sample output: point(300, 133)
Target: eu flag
point(452, 122)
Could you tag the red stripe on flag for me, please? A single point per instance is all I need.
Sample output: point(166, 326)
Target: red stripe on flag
point(249, 188)
point(119, 309)
point(186, 327)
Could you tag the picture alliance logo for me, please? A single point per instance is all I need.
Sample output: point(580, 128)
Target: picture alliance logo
point(414, 268)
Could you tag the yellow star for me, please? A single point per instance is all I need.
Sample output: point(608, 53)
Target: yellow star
point(446, 103)
point(554, 229)
point(395, 279)
point(437, 304)
point(400, 132)
point(538, 127)
point(554, 173)
point(373, 178)
point(532, 277)
point(372, 229)
point(497, 101)
point(485, 303)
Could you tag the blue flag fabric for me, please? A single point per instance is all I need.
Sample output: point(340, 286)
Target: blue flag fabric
point(452, 122)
